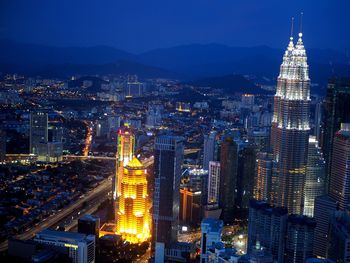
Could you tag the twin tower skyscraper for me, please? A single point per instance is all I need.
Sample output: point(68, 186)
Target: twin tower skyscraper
point(291, 127)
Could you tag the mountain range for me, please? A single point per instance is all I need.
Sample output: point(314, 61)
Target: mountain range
point(186, 63)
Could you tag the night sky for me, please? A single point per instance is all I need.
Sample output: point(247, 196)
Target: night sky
point(140, 25)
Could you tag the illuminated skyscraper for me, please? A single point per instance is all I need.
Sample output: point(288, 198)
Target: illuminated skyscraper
point(133, 219)
point(290, 126)
point(213, 183)
point(315, 176)
point(125, 153)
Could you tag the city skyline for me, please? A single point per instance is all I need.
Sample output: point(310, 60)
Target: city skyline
point(204, 153)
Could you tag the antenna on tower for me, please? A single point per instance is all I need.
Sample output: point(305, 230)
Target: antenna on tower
point(301, 24)
point(291, 28)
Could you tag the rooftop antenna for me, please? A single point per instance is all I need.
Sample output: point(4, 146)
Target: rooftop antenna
point(291, 29)
point(301, 24)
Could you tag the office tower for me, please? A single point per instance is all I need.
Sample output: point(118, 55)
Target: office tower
point(300, 238)
point(267, 225)
point(263, 178)
point(315, 176)
point(2, 146)
point(245, 175)
point(133, 219)
point(154, 117)
point(228, 178)
point(260, 255)
point(318, 121)
point(211, 230)
point(133, 88)
point(89, 225)
point(125, 153)
point(213, 183)
point(339, 188)
point(324, 209)
point(337, 111)
point(290, 126)
point(190, 206)
point(339, 237)
point(209, 149)
point(38, 131)
point(80, 248)
point(168, 156)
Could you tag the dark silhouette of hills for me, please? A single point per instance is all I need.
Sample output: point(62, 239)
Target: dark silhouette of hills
point(187, 62)
point(230, 84)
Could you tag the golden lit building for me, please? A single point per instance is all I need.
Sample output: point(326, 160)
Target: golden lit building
point(125, 152)
point(133, 219)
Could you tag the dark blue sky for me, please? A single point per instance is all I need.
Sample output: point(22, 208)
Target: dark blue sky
point(139, 25)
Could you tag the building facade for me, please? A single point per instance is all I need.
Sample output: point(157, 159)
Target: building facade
point(209, 149)
point(80, 248)
point(315, 176)
point(228, 178)
point(133, 218)
point(339, 188)
point(290, 126)
point(336, 111)
point(168, 157)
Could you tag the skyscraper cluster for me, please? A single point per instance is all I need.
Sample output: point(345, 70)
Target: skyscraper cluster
point(301, 186)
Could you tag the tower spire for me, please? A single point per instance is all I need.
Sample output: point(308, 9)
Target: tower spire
point(301, 23)
point(291, 29)
point(291, 44)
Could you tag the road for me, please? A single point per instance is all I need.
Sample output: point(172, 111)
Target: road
point(102, 189)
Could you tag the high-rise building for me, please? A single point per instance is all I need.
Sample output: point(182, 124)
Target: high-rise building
point(133, 219)
point(318, 121)
point(290, 126)
point(339, 188)
point(263, 178)
point(324, 209)
point(133, 88)
point(89, 225)
point(213, 183)
point(245, 175)
point(315, 176)
point(228, 178)
point(211, 230)
point(80, 248)
point(267, 225)
point(209, 149)
point(339, 237)
point(337, 111)
point(125, 153)
point(190, 206)
point(300, 238)
point(38, 131)
point(168, 156)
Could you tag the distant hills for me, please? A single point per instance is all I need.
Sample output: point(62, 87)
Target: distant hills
point(187, 62)
point(230, 84)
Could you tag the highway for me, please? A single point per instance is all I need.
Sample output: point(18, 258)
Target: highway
point(100, 190)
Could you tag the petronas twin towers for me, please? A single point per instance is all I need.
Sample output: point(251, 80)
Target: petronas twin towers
point(290, 127)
